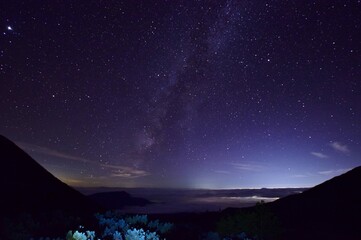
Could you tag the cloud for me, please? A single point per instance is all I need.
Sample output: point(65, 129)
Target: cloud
point(319, 155)
point(247, 166)
point(116, 170)
point(334, 172)
point(300, 176)
point(221, 171)
point(50, 152)
point(73, 182)
point(340, 147)
point(124, 171)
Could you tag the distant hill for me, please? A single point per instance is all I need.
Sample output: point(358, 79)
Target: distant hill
point(331, 210)
point(27, 187)
point(117, 200)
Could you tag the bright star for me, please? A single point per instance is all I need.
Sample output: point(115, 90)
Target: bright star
point(10, 28)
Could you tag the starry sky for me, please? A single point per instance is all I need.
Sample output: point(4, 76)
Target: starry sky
point(183, 94)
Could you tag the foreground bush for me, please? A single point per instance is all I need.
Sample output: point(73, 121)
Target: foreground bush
point(114, 226)
point(261, 224)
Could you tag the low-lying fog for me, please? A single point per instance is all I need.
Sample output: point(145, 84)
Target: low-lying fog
point(184, 200)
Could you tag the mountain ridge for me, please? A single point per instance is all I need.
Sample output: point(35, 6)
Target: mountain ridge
point(117, 200)
point(327, 211)
point(28, 187)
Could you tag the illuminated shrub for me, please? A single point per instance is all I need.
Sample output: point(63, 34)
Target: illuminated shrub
point(129, 228)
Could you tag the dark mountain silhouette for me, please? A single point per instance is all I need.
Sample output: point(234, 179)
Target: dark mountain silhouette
point(331, 210)
point(27, 187)
point(117, 200)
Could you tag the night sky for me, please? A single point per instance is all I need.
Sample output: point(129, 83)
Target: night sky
point(183, 94)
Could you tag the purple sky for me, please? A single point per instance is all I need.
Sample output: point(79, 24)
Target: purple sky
point(206, 94)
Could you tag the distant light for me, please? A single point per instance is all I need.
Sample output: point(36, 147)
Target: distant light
point(9, 28)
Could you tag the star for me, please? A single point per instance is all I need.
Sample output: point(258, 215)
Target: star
point(208, 89)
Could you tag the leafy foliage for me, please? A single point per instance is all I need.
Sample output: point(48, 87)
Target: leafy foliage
point(261, 224)
point(116, 227)
point(51, 224)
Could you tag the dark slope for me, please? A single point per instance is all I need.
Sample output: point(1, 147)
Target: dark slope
point(27, 187)
point(331, 210)
point(117, 200)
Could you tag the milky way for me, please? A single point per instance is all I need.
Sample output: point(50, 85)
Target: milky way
point(206, 94)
